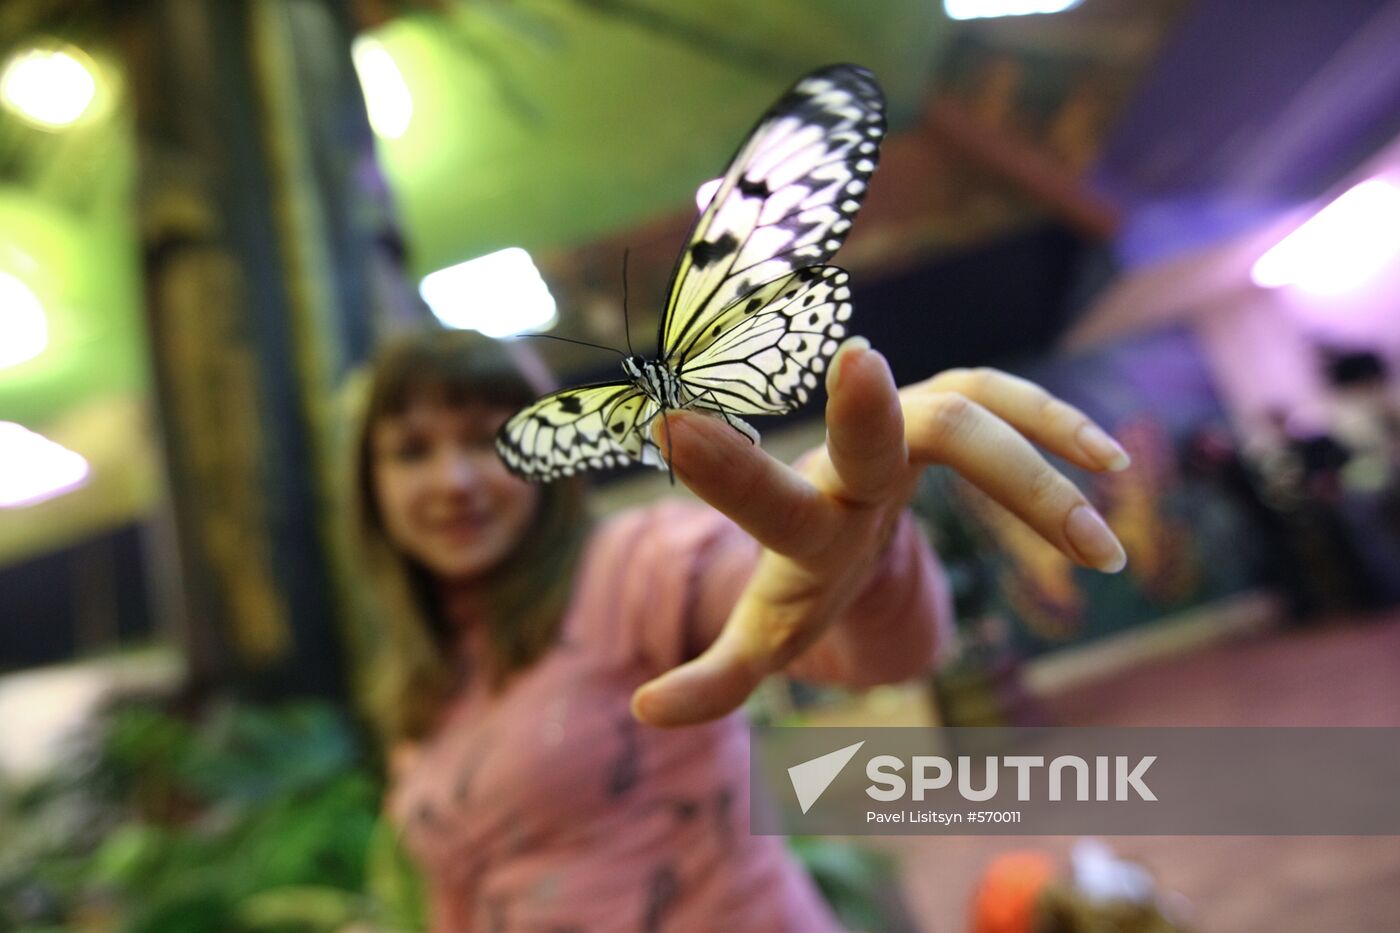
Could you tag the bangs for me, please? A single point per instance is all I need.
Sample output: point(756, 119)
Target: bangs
point(455, 367)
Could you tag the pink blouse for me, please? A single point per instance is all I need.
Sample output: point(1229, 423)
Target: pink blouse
point(547, 807)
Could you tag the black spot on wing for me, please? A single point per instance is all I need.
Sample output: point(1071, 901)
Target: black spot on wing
point(705, 252)
point(571, 404)
point(750, 188)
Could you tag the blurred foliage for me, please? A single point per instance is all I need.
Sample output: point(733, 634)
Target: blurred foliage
point(249, 819)
point(245, 819)
point(858, 883)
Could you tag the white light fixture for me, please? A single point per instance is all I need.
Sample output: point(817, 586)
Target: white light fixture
point(706, 193)
point(1340, 246)
point(982, 9)
point(500, 294)
point(24, 331)
point(387, 98)
point(34, 468)
point(51, 88)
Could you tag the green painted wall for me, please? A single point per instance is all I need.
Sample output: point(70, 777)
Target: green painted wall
point(548, 122)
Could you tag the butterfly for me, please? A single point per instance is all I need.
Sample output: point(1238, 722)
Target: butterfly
point(753, 314)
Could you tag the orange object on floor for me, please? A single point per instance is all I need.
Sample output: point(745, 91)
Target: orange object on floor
point(1006, 898)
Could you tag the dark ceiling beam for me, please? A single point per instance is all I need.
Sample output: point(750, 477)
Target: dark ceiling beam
point(1006, 156)
point(371, 14)
point(21, 20)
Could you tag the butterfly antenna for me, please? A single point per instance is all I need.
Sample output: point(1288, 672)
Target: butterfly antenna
point(626, 324)
point(582, 343)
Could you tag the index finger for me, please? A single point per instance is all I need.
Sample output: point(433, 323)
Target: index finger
point(775, 504)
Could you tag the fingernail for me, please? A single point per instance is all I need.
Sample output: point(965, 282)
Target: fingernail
point(670, 698)
point(1095, 442)
point(677, 422)
point(849, 344)
point(1096, 544)
point(644, 707)
point(644, 704)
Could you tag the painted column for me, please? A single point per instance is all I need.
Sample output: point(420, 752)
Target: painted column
point(268, 242)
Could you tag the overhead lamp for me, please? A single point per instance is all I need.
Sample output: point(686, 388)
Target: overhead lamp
point(984, 9)
point(24, 330)
point(51, 88)
point(34, 468)
point(387, 98)
point(1339, 247)
point(500, 294)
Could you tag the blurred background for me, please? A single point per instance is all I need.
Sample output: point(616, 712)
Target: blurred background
point(1183, 217)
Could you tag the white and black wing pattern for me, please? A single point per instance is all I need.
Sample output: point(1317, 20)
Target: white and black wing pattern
point(753, 314)
point(588, 427)
point(769, 350)
point(786, 201)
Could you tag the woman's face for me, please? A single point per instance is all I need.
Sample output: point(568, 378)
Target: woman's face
point(445, 498)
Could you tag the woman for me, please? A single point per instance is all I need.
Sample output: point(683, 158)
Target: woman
point(526, 665)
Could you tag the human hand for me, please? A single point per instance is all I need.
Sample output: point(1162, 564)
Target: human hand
point(824, 524)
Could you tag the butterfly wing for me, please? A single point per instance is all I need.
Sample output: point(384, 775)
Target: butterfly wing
point(769, 349)
point(786, 202)
point(578, 429)
point(752, 317)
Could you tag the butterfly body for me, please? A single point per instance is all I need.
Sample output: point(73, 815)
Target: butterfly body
point(665, 391)
point(656, 380)
point(753, 313)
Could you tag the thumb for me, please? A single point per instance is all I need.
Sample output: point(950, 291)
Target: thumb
point(708, 687)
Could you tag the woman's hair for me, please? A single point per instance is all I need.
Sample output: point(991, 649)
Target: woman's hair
point(401, 643)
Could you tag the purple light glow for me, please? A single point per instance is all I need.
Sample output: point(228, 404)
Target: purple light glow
point(1341, 246)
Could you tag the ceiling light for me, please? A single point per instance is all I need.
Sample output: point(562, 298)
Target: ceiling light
point(1340, 246)
point(24, 331)
point(34, 468)
point(387, 99)
point(500, 294)
point(52, 88)
point(981, 9)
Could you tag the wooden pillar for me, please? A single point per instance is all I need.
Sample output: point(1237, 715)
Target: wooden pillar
point(267, 237)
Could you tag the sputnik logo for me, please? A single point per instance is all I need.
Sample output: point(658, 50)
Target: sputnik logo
point(811, 778)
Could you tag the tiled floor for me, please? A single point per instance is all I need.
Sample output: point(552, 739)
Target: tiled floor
point(1339, 674)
